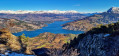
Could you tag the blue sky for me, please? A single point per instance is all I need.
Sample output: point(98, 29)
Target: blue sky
point(78, 5)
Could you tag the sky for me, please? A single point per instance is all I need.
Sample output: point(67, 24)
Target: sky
point(78, 5)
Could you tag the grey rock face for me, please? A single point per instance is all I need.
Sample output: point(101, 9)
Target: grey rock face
point(98, 45)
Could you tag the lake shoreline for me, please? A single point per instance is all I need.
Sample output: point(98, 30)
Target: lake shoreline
point(55, 27)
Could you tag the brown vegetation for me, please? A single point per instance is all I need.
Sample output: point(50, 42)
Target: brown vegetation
point(16, 25)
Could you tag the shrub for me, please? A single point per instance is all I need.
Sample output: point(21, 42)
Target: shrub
point(24, 39)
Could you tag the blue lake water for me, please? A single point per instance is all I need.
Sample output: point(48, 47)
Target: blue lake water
point(54, 27)
point(15, 54)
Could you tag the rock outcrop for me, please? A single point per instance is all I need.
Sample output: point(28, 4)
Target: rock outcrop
point(100, 41)
point(8, 41)
point(98, 45)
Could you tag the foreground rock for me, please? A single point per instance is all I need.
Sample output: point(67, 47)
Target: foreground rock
point(8, 42)
point(98, 45)
point(100, 41)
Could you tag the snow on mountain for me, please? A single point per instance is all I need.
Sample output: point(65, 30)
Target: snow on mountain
point(113, 10)
point(36, 12)
point(90, 13)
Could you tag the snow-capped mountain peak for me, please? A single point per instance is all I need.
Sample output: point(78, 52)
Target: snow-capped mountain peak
point(36, 12)
point(113, 10)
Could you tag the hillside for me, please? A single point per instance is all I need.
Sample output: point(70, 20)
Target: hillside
point(16, 25)
point(99, 41)
point(23, 44)
point(87, 23)
point(50, 40)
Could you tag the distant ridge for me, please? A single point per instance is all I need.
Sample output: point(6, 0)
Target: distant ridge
point(36, 12)
point(43, 11)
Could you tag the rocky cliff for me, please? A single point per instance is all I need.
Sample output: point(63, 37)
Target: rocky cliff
point(99, 45)
point(100, 41)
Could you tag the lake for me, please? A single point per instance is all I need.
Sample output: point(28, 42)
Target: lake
point(54, 27)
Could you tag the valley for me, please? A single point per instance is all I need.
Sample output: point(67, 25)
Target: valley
point(59, 33)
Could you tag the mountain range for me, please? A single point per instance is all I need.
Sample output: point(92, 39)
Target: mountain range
point(51, 15)
point(43, 17)
point(85, 24)
point(37, 12)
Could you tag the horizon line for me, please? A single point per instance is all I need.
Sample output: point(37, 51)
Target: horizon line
point(53, 10)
